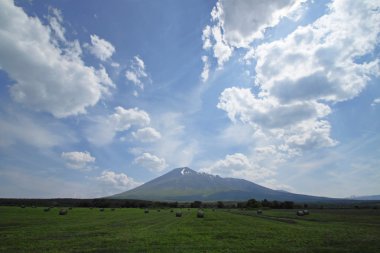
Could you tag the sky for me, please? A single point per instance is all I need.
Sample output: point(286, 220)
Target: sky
point(98, 97)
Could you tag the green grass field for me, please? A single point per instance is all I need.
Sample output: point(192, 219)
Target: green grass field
point(130, 230)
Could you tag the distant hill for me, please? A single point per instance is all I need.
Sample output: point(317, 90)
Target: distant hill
point(369, 197)
point(185, 184)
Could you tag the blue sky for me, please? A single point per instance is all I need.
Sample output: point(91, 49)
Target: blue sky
point(98, 97)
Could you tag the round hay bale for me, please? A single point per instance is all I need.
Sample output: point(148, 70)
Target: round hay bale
point(300, 213)
point(101, 209)
point(62, 212)
point(259, 211)
point(146, 211)
point(306, 212)
point(200, 214)
point(178, 214)
point(47, 209)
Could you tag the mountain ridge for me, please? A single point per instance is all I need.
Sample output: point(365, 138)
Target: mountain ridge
point(185, 184)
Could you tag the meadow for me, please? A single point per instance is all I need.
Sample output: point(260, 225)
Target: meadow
point(131, 230)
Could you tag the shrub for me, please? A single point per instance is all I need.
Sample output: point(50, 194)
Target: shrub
point(178, 214)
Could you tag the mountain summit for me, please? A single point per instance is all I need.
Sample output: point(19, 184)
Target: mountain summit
point(185, 184)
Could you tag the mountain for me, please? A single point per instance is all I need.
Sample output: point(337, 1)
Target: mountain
point(369, 197)
point(185, 184)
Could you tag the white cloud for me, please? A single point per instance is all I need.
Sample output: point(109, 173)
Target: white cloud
point(136, 72)
point(55, 21)
point(206, 68)
point(319, 61)
point(47, 78)
point(275, 185)
point(375, 102)
point(238, 166)
point(150, 162)
point(241, 104)
point(118, 181)
point(246, 20)
point(299, 76)
point(102, 49)
point(123, 118)
point(147, 134)
point(237, 24)
point(78, 160)
point(103, 129)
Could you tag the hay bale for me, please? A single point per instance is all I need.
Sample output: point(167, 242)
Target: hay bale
point(62, 212)
point(300, 213)
point(47, 209)
point(101, 209)
point(146, 211)
point(306, 212)
point(178, 214)
point(112, 209)
point(259, 211)
point(200, 214)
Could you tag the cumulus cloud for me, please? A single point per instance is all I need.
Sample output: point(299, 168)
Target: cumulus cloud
point(245, 20)
point(239, 166)
point(298, 77)
point(100, 48)
point(47, 77)
point(78, 160)
point(123, 118)
point(117, 181)
point(241, 104)
point(236, 24)
point(375, 102)
point(147, 134)
point(320, 61)
point(136, 73)
point(150, 162)
point(103, 129)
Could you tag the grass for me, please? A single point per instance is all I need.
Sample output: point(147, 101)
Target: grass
point(131, 230)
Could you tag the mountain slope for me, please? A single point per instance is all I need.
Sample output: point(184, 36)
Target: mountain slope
point(184, 184)
point(369, 197)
